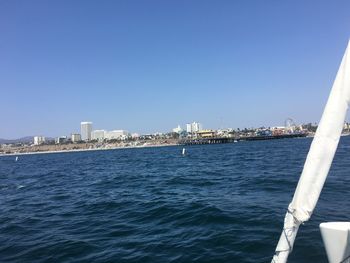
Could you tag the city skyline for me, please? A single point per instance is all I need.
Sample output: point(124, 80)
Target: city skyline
point(87, 129)
point(147, 67)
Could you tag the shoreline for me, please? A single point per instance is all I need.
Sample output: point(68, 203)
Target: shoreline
point(87, 150)
point(108, 148)
point(90, 147)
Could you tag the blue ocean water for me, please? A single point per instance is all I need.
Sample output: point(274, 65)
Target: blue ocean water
point(219, 203)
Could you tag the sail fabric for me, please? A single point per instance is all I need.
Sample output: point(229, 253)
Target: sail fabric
point(318, 161)
point(324, 145)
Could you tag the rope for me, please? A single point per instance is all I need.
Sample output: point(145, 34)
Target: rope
point(288, 232)
point(346, 260)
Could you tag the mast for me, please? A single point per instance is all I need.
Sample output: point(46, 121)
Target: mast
point(318, 161)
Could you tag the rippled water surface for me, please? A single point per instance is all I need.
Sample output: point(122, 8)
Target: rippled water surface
point(220, 203)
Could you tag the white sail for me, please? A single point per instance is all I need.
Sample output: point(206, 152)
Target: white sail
point(318, 161)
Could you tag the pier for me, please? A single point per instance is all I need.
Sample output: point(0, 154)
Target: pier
point(219, 140)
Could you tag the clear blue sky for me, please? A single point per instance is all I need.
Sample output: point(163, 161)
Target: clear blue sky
point(146, 66)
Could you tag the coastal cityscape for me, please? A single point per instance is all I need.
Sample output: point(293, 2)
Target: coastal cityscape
point(174, 131)
point(192, 133)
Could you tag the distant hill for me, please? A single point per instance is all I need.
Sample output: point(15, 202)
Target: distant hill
point(23, 140)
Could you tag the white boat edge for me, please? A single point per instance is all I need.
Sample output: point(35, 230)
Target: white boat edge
point(336, 239)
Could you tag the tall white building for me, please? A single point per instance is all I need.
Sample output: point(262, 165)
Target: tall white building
point(194, 127)
point(189, 127)
point(98, 135)
point(197, 126)
point(85, 130)
point(39, 140)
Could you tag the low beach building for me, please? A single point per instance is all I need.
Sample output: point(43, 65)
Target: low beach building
point(116, 134)
point(178, 129)
point(98, 135)
point(61, 139)
point(206, 133)
point(75, 137)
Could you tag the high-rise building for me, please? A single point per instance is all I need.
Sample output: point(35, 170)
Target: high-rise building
point(189, 127)
point(39, 140)
point(85, 130)
point(194, 127)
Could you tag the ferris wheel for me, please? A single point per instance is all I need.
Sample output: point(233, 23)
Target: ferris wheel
point(289, 124)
